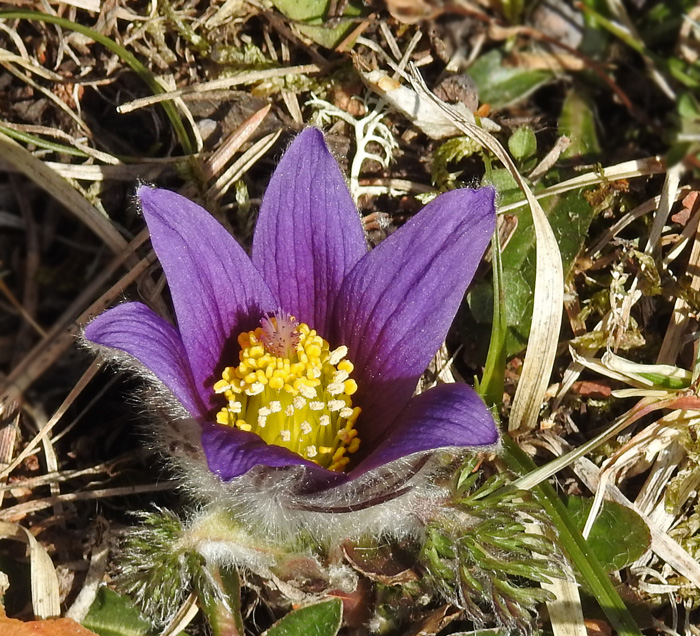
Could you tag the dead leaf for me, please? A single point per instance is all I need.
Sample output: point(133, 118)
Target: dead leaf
point(47, 627)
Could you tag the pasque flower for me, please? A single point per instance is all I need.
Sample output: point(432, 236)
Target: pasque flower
point(303, 357)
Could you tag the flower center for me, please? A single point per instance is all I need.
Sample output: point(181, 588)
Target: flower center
point(293, 391)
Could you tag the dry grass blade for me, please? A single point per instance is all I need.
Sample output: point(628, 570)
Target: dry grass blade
point(549, 286)
point(625, 170)
point(233, 144)
point(668, 196)
point(185, 615)
point(44, 582)
point(219, 84)
point(565, 613)
point(61, 190)
point(35, 505)
point(55, 418)
point(93, 580)
point(239, 167)
point(682, 311)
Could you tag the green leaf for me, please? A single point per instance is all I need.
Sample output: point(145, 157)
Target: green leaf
point(578, 124)
point(310, 16)
point(618, 537)
point(451, 151)
point(112, 614)
point(322, 619)
point(522, 143)
point(570, 216)
point(501, 85)
point(492, 384)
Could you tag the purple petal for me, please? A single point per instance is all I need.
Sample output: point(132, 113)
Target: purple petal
point(231, 452)
point(398, 302)
point(309, 233)
point(134, 329)
point(216, 291)
point(449, 415)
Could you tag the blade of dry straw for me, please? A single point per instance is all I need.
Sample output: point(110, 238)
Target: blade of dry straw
point(549, 284)
point(61, 190)
point(44, 582)
point(565, 612)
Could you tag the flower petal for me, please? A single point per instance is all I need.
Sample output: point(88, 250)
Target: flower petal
point(134, 329)
point(231, 452)
point(309, 233)
point(216, 291)
point(398, 302)
point(449, 415)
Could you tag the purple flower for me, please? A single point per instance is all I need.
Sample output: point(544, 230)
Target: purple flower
point(357, 328)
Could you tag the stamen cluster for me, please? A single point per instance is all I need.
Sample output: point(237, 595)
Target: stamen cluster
point(293, 391)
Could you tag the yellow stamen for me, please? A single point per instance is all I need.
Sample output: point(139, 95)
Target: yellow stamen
point(293, 391)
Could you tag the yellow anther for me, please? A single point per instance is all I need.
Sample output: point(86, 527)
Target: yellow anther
point(313, 351)
point(346, 365)
point(338, 454)
point(292, 390)
point(221, 386)
point(350, 387)
point(243, 340)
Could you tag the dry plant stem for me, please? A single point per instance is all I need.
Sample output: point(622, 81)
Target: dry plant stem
point(668, 196)
point(680, 319)
point(147, 171)
point(624, 221)
point(239, 167)
point(218, 160)
point(533, 478)
point(108, 469)
point(12, 299)
point(216, 85)
point(184, 616)
point(9, 429)
point(22, 510)
point(55, 418)
point(543, 167)
point(356, 33)
point(93, 581)
point(625, 170)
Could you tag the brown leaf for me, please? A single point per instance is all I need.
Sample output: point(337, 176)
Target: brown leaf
point(592, 389)
point(383, 564)
point(48, 627)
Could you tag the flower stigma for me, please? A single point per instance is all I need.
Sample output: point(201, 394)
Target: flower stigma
point(293, 391)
